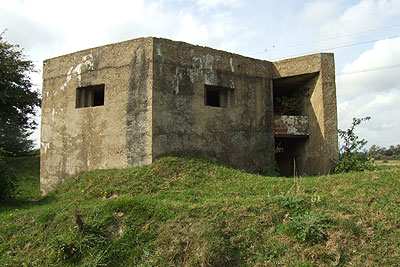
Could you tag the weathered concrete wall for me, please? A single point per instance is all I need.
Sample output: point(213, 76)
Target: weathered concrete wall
point(139, 105)
point(330, 130)
point(182, 121)
point(81, 139)
point(297, 66)
point(322, 145)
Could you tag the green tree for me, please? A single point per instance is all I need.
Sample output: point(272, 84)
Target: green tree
point(18, 102)
point(376, 152)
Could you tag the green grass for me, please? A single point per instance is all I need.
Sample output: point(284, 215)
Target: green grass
point(186, 211)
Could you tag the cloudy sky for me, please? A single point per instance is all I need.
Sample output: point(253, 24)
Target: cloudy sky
point(363, 34)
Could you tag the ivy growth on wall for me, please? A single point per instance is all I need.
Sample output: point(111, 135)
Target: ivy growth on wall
point(291, 104)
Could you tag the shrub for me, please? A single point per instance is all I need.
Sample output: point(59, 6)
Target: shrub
point(351, 158)
point(354, 162)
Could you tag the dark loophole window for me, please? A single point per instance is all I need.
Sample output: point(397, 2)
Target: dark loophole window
point(90, 96)
point(217, 96)
point(98, 98)
point(213, 99)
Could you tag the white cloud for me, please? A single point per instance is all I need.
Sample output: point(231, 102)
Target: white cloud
point(366, 14)
point(218, 3)
point(318, 12)
point(74, 25)
point(384, 53)
point(384, 125)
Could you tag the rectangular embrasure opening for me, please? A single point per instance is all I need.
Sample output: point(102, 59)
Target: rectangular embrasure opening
point(90, 96)
point(218, 96)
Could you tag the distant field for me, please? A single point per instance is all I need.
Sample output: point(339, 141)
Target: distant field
point(188, 211)
point(387, 162)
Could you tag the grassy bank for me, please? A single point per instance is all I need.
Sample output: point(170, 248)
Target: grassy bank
point(184, 211)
